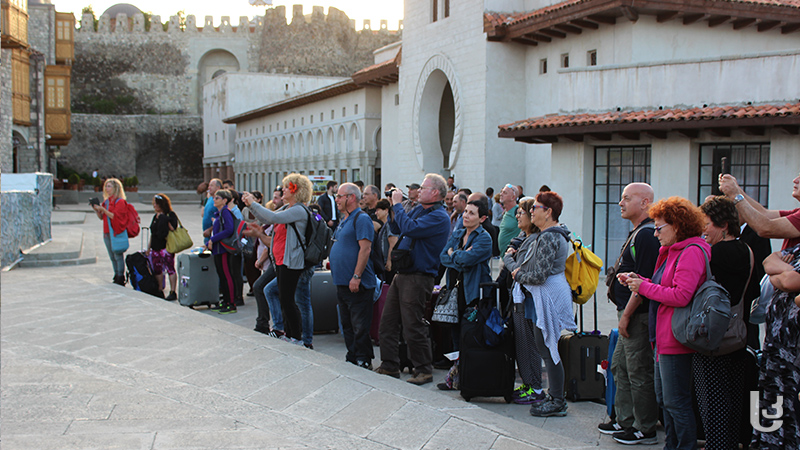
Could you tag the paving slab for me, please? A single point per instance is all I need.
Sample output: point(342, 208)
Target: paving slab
point(88, 364)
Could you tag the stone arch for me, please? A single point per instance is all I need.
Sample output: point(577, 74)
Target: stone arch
point(376, 138)
point(341, 140)
point(310, 151)
point(268, 154)
point(262, 155)
point(436, 118)
point(292, 147)
point(301, 146)
point(320, 142)
point(283, 148)
point(209, 67)
point(353, 138)
point(330, 142)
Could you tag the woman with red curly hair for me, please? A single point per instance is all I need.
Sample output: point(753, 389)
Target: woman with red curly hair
point(680, 270)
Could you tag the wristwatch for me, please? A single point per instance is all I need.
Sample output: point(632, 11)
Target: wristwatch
point(737, 199)
point(357, 277)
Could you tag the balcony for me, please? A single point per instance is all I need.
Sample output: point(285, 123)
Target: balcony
point(14, 23)
point(20, 87)
point(57, 113)
point(65, 41)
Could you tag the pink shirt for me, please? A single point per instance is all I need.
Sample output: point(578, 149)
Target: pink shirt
point(676, 290)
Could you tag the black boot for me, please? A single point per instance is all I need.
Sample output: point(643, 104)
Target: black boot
point(120, 280)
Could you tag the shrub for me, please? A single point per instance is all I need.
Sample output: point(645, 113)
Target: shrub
point(74, 178)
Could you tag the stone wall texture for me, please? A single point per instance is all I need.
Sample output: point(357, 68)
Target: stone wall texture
point(25, 218)
point(134, 93)
point(161, 150)
point(6, 112)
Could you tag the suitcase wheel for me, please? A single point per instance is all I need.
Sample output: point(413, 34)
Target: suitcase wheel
point(467, 397)
point(508, 398)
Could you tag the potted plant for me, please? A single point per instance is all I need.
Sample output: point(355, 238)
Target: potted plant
point(132, 184)
point(74, 181)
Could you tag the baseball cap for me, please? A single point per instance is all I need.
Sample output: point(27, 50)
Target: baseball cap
point(413, 186)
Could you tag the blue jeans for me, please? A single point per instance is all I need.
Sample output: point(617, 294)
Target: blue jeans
point(355, 310)
point(674, 395)
point(302, 296)
point(117, 259)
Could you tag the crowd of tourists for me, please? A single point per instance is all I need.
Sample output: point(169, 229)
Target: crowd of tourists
point(410, 239)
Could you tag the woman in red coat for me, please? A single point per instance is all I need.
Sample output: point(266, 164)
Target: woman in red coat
point(114, 209)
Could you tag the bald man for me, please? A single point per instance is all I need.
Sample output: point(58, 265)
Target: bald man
point(632, 364)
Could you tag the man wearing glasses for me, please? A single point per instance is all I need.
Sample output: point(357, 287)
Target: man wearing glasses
point(423, 233)
point(353, 275)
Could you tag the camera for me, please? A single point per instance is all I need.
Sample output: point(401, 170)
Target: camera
point(94, 201)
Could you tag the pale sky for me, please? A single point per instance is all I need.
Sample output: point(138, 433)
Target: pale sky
point(374, 10)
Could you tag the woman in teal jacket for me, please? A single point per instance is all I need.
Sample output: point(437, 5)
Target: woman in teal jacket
point(468, 252)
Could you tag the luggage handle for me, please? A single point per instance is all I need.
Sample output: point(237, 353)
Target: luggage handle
point(494, 291)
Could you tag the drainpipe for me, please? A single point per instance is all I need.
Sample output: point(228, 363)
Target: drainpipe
point(38, 59)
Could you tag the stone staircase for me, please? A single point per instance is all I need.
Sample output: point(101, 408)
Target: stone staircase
point(68, 246)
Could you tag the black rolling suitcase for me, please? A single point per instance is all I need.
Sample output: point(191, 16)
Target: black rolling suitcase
point(324, 300)
point(485, 370)
point(581, 353)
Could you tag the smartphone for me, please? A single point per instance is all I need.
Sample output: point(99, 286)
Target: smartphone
point(726, 167)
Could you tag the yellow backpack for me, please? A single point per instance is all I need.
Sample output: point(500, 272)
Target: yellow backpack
point(582, 272)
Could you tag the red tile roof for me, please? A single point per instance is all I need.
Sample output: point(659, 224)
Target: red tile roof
point(380, 74)
point(523, 26)
point(660, 119)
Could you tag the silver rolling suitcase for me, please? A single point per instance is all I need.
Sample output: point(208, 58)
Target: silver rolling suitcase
point(198, 283)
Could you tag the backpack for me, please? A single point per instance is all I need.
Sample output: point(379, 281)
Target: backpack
point(233, 244)
point(582, 272)
point(702, 323)
point(318, 239)
point(140, 274)
point(133, 219)
point(375, 253)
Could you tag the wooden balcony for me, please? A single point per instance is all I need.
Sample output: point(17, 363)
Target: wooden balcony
point(14, 23)
point(65, 38)
point(57, 113)
point(20, 87)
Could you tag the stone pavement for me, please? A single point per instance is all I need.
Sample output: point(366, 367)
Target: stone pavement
point(88, 364)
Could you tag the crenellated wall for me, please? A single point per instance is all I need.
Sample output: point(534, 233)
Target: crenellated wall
point(140, 66)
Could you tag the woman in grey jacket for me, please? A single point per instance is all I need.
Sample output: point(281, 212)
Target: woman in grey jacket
point(529, 361)
point(550, 303)
point(287, 249)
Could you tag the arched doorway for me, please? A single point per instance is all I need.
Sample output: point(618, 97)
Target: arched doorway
point(213, 64)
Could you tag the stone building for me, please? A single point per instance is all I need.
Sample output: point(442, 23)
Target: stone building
point(131, 66)
point(37, 54)
point(587, 96)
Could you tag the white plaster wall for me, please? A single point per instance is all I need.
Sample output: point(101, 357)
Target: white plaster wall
point(505, 161)
point(390, 132)
point(460, 39)
point(784, 166)
point(662, 64)
point(572, 178)
point(386, 52)
point(297, 123)
point(689, 83)
point(673, 169)
point(235, 93)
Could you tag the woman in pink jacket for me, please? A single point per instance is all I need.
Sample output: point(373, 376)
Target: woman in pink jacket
point(678, 224)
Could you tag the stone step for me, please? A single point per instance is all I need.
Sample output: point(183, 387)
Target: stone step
point(62, 250)
point(67, 218)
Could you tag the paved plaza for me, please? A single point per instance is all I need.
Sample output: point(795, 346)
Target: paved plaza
point(90, 365)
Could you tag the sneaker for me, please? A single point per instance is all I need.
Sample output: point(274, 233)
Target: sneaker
point(382, 371)
point(277, 334)
point(421, 378)
point(216, 307)
point(519, 389)
point(291, 340)
point(552, 407)
point(445, 387)
point(172, 296)
point(632, 436)
point(364, 365)
point(528, 397)
point(308, 346)
point(227, 310)
point(611, 427)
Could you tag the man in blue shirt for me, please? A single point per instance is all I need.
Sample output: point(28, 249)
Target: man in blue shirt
point(353, 275)
point(423, 232)
point(208, 212)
